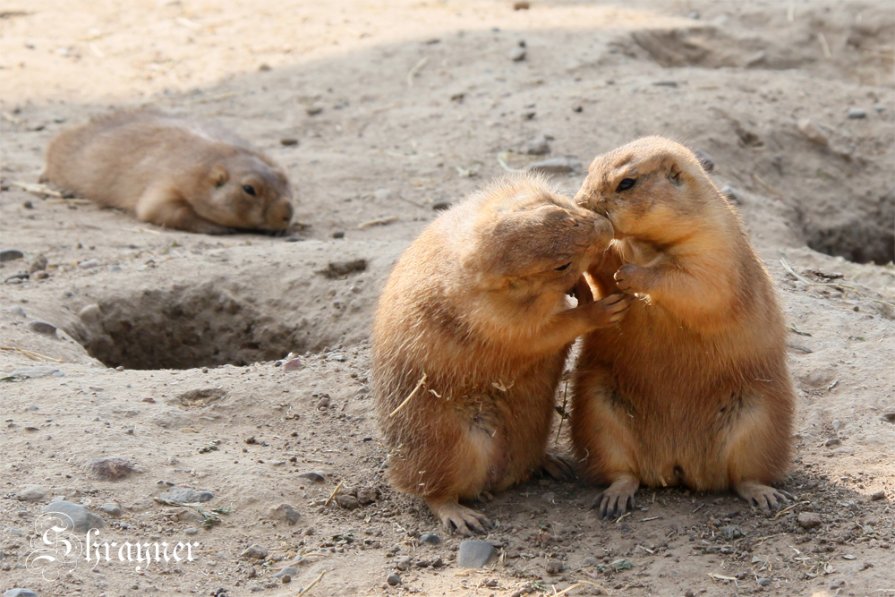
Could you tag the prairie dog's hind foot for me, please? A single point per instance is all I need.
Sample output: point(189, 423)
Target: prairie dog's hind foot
point(765, 498)
point(558, 467)
point(618, 498)
point(456, 517)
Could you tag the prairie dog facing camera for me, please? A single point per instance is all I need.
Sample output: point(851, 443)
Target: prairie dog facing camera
point(470, 339)
point(171, 172)
point(692, 388)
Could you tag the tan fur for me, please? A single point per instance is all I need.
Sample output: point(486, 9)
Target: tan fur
point(171, 172)
point(692, 387)
point(476, 309)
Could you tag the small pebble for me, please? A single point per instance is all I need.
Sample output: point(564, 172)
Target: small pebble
point(314, 110)
point(403, 563)
point(254, 552)
point(539, 145)
point(338, 234)
point(111, 468)
point(705, 160)
point(857, 113)
point(285, 513)
point(879, 495)
point(521, 5)
point(808, 520)
point(367, 495)
point(42, 327)
point(430, 539)
point(31, 493)
point(347, 501)
point(19, 593)
point(518, 54)
point(186, 495)
point(111, 508)
point(812, 132)
point(475, 553)
point(554, 566)
point(89, 263)
point(38, 264)
point(393, 579)
point(10, 255)
point(315, 476)
point(764, 582)
point(289, 571)
point(731, 532)
point(441, 205)
point(289, 142)
point(74, 517)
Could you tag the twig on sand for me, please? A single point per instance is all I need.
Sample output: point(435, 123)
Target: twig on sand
point(502, 160)
point(377, 222)
point(36, 189)
point(413, 72)
point(416, 388)
point(308, 588)
point(333, 495)
point(34, 356)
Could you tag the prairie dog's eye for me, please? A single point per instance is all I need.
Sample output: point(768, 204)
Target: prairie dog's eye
point(626, 184)
point(562, 267)
point(249, 189)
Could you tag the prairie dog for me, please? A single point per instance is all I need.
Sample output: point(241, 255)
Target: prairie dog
point(171, 172)
point(470, 338)
point(692, 388)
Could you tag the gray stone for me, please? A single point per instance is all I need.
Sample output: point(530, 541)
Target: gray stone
point(475, 553)
point(857, 113)
point(518, 54)
point(557, 165)
point(10, 255)
point(540, 145)
point(89, 263)
point(187, 495)
point(284, 512)
point(19, 593)
point(403, 563)
point(731, 531)
point(42, 327)
point(36, 372)
point(253, 552)
point(347, 501)
point(290, 571)
point(430, 539)
point(808, 520)
point(315, 476)
point(111, 508)
point(31, 493)
point(393, 579)
point(191, 531)
point(74, 517)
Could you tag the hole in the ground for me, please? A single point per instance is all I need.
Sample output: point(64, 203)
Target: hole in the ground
point(861, 240)
point(183, 328)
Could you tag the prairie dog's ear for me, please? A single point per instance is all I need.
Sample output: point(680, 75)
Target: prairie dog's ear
point(219, 175)
point(705, 160)
point(673, 172)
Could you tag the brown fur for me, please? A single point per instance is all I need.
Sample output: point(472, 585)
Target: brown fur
point(475, 314)
point(171, 172)
point(692, 387)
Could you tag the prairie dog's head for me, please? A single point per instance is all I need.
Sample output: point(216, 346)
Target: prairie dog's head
point(530, 242)
point(247, 191)
point(651, 188)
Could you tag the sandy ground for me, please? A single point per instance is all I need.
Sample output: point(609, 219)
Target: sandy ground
point(396, 107)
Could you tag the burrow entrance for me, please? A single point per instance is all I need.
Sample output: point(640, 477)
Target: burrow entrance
point(867, 235)
point(183, 328)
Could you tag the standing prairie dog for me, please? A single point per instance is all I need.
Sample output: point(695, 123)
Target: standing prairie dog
point(470, 339)
point(171, 172)
point(692, 387)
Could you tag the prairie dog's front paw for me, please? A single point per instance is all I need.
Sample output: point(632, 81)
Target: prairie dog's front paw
point(609, 310)
point(632, 279)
